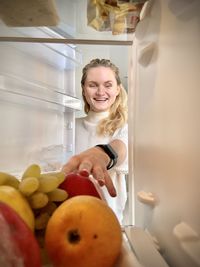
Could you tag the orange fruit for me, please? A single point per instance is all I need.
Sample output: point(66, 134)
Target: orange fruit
point(83, 232)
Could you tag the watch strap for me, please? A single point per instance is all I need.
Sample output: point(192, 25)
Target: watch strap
point(111, 153)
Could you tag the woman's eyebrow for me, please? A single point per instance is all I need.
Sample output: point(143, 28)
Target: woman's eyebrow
point(109, 82)
point(95, 82)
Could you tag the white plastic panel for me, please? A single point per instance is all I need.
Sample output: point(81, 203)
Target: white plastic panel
point(165, 126)
point(143, 248)
point(59, 55)
point(37, 101)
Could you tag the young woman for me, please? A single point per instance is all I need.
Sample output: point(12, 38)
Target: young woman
point(102, 136)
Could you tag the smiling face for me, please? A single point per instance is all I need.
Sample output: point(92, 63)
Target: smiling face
point(100, 88)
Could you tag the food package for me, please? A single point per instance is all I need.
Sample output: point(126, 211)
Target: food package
point(98, 15)
point(118, 16)
point(31, 13)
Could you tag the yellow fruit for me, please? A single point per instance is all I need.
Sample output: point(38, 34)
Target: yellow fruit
point(59, 175)
point(38, 200)
point(48, 183)
point(15, 200)
point(88, 234)
point(29, 185)
point(3, 177)
point(8, 179)
point(57, 195)
point(32, 171)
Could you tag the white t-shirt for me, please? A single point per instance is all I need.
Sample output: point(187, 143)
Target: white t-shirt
point(86, 137)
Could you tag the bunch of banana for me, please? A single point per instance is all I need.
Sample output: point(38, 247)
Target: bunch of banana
point(40, 189)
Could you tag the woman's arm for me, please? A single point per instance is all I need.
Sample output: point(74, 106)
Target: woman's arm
point(120, 147)
point(95, 161)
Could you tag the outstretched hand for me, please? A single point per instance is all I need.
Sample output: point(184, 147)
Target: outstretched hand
point(92, 161)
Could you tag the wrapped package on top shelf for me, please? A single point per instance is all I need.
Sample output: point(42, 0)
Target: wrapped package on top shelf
point(32, 13)
point(112, 15)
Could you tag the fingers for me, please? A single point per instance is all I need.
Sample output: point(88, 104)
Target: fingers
point(71, 166)
point(86, 165)
point(77, 164)
point(109, 185)
point(104, 178)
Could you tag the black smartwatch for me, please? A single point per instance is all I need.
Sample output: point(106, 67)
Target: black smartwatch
point(111, 153)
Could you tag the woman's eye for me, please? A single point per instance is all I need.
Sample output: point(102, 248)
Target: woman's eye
point(92, 85)
point(108, 85)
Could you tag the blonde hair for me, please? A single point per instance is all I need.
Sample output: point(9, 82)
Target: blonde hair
point(118, 111)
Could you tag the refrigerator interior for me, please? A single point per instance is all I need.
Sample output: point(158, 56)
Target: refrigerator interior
point(40, 88)
point(39, 101)
point(40, 85)
point(37, 105)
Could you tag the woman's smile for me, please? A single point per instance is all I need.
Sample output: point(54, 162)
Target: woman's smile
point(100, 99)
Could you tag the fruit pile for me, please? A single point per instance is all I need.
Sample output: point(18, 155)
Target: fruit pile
point(34, 196)
point(49, 213)
point(40, 190)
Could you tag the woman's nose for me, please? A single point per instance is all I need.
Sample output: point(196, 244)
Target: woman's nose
point(100, 90)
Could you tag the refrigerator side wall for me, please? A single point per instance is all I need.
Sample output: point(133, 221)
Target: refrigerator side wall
point(166, 128)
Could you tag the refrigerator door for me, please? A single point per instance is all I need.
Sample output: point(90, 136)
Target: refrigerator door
point(165, 143)
point(143, 248)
